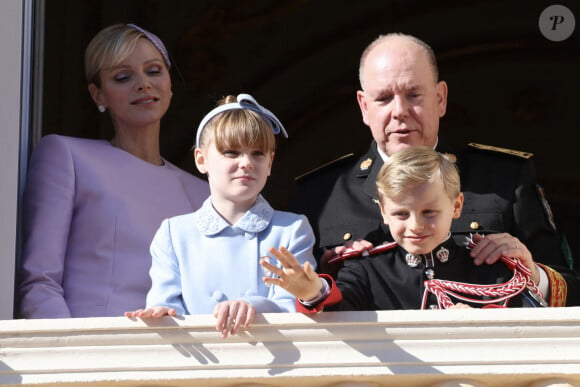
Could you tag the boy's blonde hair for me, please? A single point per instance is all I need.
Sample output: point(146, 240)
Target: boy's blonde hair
point(233, 129)
point(415, 165)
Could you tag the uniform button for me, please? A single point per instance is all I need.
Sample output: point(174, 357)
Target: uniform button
point(474, 225)
point(347, 236)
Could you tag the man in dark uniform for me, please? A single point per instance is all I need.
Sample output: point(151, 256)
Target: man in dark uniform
point(402, 101)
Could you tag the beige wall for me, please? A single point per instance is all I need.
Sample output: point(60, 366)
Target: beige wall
point(11, 13)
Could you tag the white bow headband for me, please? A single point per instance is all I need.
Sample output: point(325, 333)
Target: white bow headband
point(245, 101)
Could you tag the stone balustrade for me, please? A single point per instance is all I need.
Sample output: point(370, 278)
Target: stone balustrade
point(499, 347)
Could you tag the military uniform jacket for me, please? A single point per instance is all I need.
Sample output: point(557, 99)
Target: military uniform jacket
point(387, 281)
point(500, 188)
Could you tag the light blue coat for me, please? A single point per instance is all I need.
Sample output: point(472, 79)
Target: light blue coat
point(199, 259)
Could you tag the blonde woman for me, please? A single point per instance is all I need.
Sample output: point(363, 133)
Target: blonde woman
point(91, 207)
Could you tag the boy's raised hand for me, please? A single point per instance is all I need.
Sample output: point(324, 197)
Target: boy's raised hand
point(300, 281)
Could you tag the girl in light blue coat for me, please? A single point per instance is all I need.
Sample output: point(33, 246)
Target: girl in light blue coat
point(208, 261)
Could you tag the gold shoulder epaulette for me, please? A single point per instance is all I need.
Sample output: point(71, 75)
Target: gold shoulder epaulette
point(522, 154)
point(324, 166)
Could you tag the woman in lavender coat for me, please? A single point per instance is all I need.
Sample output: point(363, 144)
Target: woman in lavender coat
point(91, 207)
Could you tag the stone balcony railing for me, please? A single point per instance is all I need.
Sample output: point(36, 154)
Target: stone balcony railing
point(500, 347)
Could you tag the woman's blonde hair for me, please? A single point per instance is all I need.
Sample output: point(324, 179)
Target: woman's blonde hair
point(235, 128)
point(416, 165)
point(113, 44)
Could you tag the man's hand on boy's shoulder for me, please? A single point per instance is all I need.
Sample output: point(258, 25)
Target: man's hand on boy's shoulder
point(331, 260)
point(491, 248)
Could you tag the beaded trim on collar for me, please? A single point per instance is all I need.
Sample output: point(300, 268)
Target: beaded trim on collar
point(256, 219)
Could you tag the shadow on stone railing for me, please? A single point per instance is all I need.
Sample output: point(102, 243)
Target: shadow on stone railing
point(521, 347)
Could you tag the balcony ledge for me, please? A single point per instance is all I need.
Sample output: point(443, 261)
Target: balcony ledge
point(516, 347)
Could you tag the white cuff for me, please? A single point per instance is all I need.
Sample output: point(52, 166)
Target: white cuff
point(322, 294)
point(544, 283)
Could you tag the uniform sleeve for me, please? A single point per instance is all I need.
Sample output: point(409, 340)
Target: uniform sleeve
point(318, 195)
point(351, 291)
point(48, 204)
point(165, 275)
point(300, 244)
point(534, 224)
point(353, 282)
point(564, 286)
point(333, 297)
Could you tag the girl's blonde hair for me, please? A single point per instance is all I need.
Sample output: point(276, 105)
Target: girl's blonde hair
point(235, 128)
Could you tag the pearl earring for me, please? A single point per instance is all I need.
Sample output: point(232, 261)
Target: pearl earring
point(101, 108)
